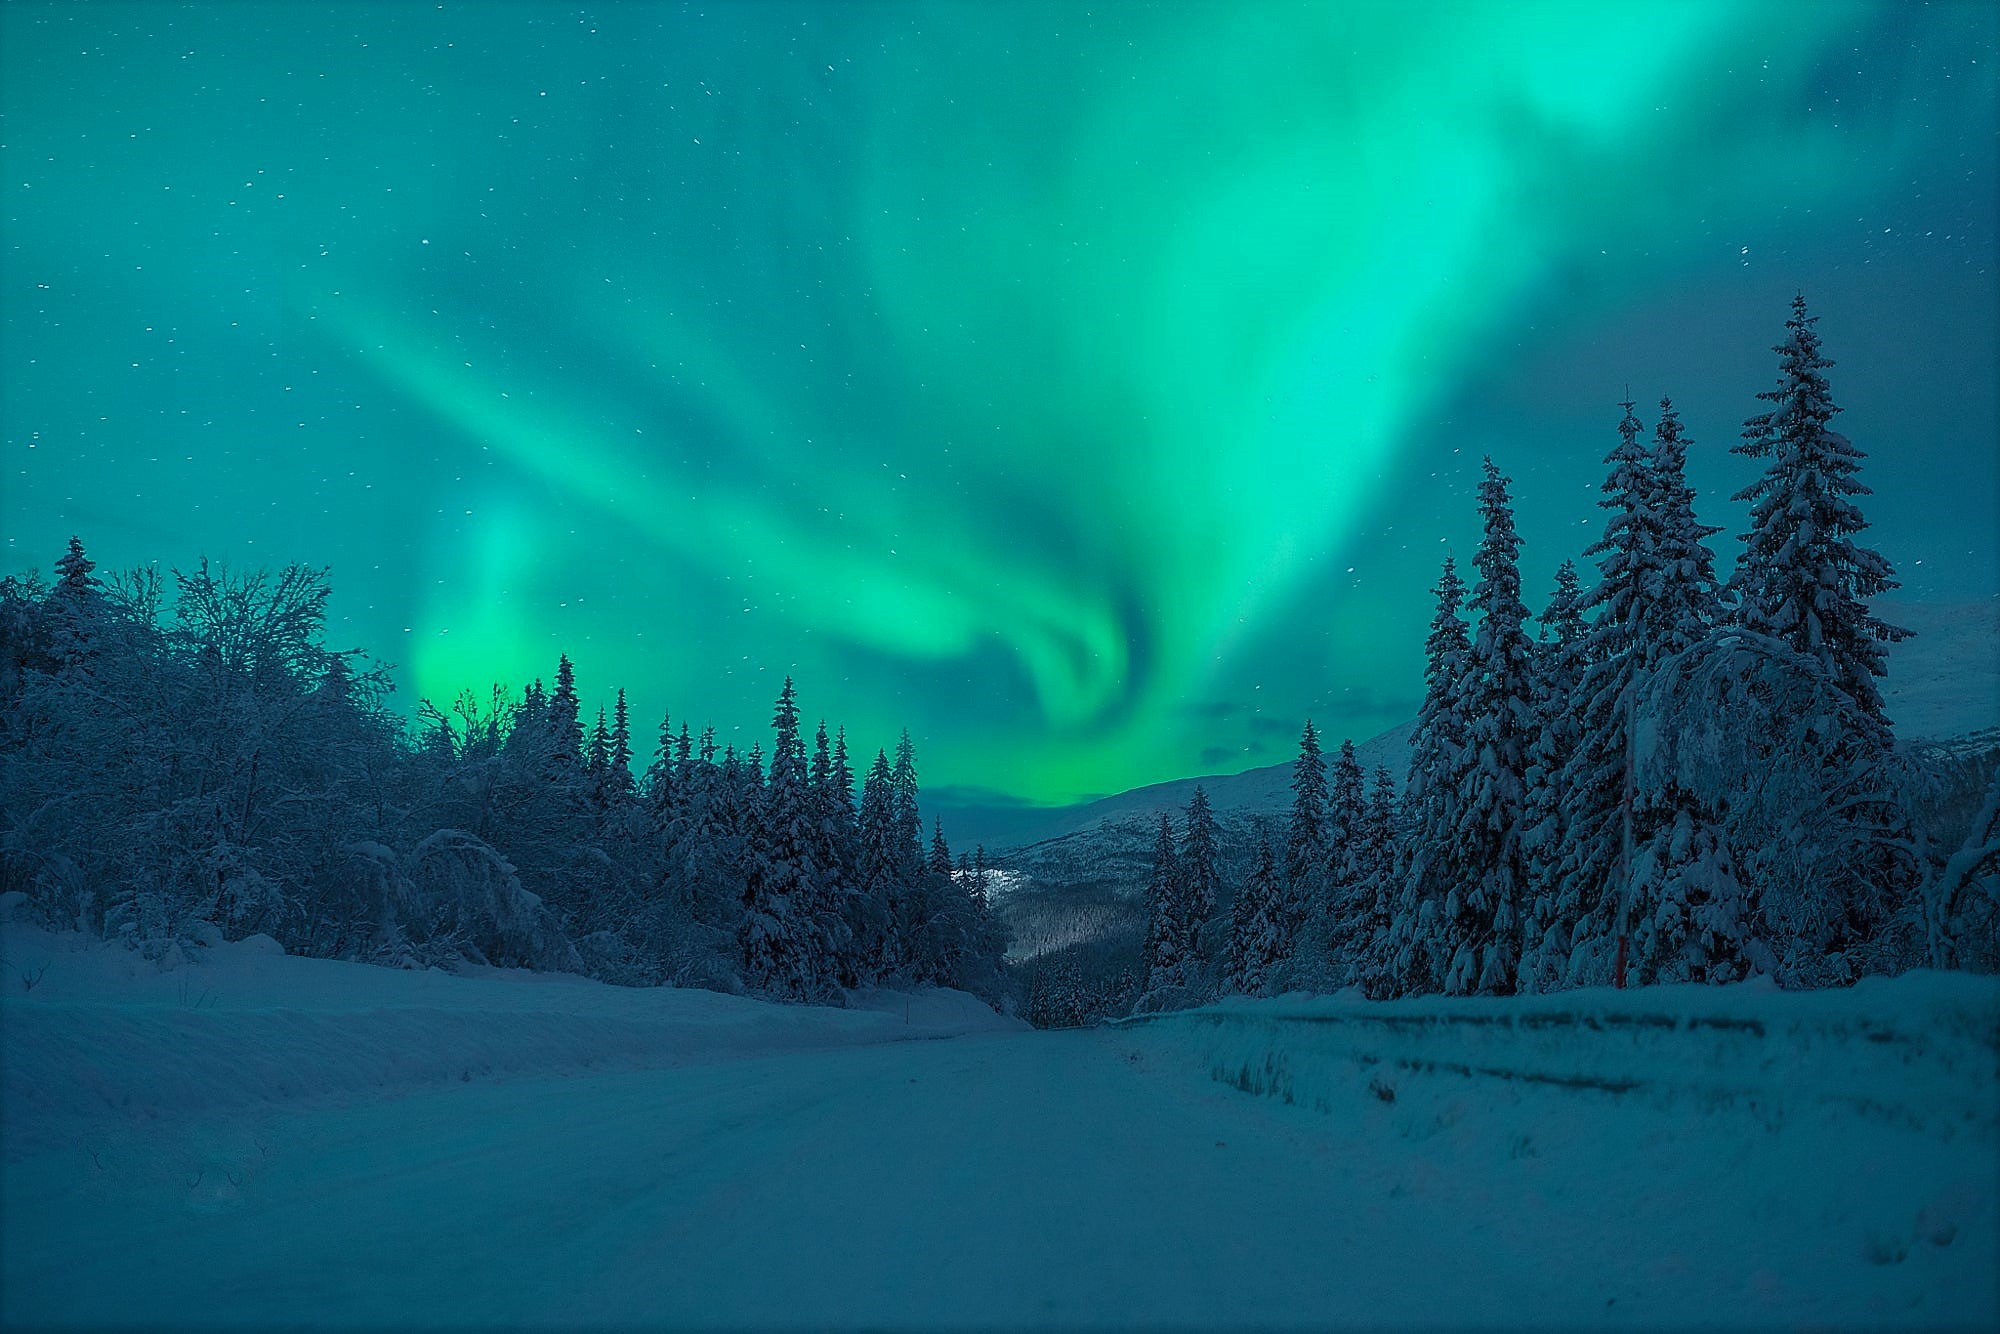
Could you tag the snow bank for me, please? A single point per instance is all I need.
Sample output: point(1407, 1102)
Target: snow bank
point(1839, 1148)
point(91, 1030)
point(1921, 1049)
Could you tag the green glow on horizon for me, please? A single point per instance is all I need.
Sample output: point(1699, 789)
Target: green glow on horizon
point(1005, 370)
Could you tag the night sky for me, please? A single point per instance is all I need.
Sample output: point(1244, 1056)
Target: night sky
point(1093, 393)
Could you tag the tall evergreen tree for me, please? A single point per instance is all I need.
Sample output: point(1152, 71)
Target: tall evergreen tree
point(1558, 683)
point(1306, 837)
point(1688, 599)
point(1257, 931)
point(1418, 952)
point(783, 949)
point(841, 795)
point(940, 863)
point(1484, 919)
point(1163, 961)
point(1803, 578)
point(618, 753)
point(659, 785)
point(73, 608)
point(1693, 907)
point(1195, 885)
point(1381, 883)
point(1591, 897)
point(597, 752)
point(1346, 931)
point(878, 873)
point(565, 718)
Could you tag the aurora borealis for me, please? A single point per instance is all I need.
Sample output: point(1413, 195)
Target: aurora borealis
point(1091, 391)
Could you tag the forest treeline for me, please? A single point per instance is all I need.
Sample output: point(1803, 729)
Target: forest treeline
point(1677, 778)
point(169, 779)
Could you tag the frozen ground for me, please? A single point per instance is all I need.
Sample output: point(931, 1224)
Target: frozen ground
point(253, 1140)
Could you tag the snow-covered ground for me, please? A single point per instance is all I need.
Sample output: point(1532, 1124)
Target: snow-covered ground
point(250, 1139)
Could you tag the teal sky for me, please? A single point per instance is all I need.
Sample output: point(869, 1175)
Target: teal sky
point(1092, 392)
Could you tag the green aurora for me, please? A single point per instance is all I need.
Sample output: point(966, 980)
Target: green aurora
point(1092, 392)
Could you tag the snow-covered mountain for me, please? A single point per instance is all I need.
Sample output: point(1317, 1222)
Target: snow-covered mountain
point(1237, 798)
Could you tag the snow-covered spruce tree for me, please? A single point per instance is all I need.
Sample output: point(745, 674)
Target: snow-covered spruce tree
point(1257, 925)
point(597, 752)
point(1688, 599)
point(1418, 947)
point(1483, 924)
point(1805, 580)
point(877, 877)
point(1195, 886)
point(1344, 937)
point(1305, 838)
point(940, 862)
point(565, 717)
point(1745, 716)
point(1382, 873)
point(658, 786)
point(1589, 900)
point(840, 796)
point(73, 610)
point(1558, 681)
point(781, 937)
point(1802, 577)
point(618, 754)
point(1163, 943)
point(1692, 906)
point(910, 907)
point(707, 851)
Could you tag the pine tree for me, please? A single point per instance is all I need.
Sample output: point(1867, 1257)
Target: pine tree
point(1692, 907)
point(878, 874)
point(1688, 599)
point(1591, 894)
point(1380, 884)
point(940, 863)
point(618, 754)
point(73, 609)
point(659, 786)
point(911, 907)
point(783, 949)
point(565, 719)
point(1345, 932)
point(1195, 886)
point(1257, 926)
point(1163, 960)
point(74, 577)
point(840, 793)
point(1306, 838)
point(909, 819)
point(1558, 682)
point(1803, 579)
point(1484, 922)
point(1418, 950)
point(597, 753)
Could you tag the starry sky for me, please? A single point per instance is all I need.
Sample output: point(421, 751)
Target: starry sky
point(1092, 391)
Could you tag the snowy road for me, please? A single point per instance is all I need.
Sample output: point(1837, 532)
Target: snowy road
point(263, 1140)
point(1041, 1178)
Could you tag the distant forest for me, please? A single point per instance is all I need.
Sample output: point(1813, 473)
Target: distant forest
point(1677, 778)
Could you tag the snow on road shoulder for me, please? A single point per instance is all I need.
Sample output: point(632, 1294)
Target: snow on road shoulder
point(90, 1030)
point(1840, 1148)
point(1922, 1048)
